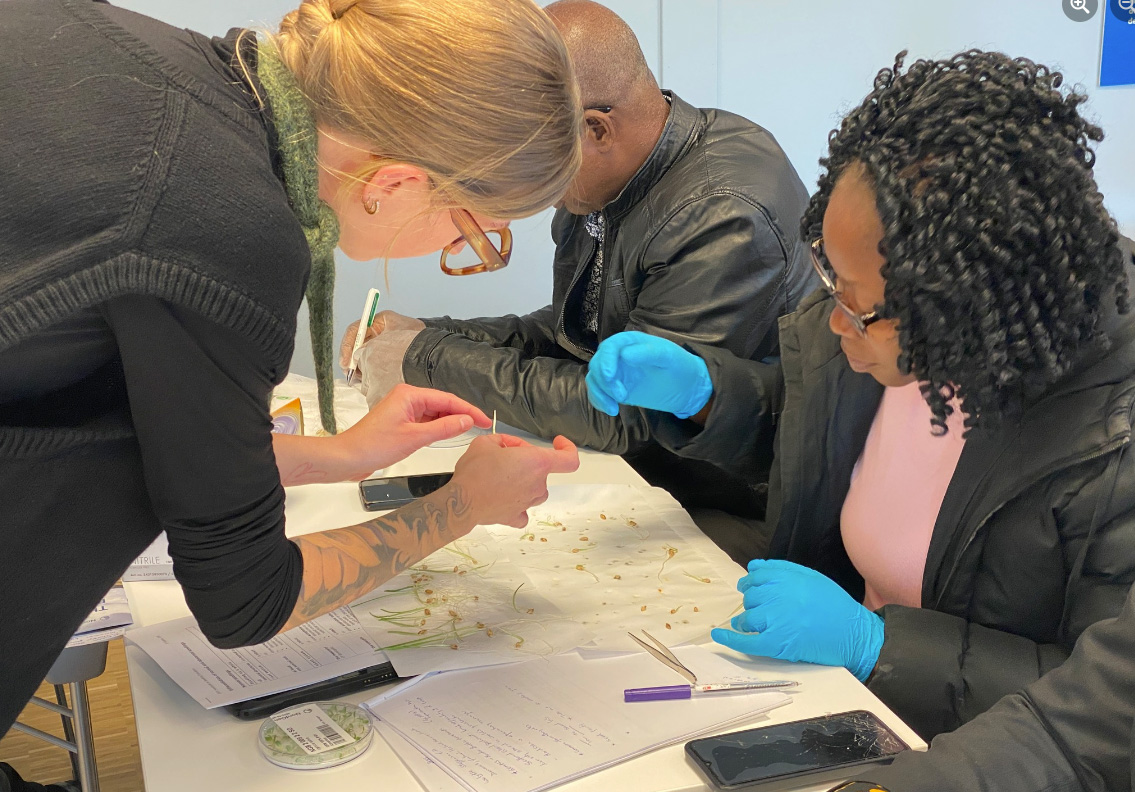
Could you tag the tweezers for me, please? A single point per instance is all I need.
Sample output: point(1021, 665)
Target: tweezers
point(667, 658)
point(664, 655)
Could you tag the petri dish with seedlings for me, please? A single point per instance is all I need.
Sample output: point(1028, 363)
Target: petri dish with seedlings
point(316, 735)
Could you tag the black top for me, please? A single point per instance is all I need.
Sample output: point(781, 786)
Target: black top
point(150, 274)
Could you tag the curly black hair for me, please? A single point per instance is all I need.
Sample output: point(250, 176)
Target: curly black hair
point(998, 250)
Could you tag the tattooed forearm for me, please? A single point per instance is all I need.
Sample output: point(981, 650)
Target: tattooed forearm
point(341, 565)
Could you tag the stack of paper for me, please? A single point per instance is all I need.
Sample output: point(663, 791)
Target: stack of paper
point(107, 621)
point(535, 725)
point(332, 645)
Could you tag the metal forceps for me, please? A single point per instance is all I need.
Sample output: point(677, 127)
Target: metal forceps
point(667, 658)
point(664, 655)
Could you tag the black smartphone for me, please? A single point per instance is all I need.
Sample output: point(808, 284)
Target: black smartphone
point(317, 691)
point(391, 492)
point(788, 755)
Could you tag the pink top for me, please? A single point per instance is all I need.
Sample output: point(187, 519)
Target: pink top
point(896, 491)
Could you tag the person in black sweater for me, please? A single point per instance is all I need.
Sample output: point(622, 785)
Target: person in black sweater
point(165, 199)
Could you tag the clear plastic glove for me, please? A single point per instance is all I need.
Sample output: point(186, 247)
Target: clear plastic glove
point(383, 321)
point(647, 371)
point(795, 613)
point(379, 360)
point(502, 476)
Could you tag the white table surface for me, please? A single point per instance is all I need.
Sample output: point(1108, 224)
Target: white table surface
point(187, 748)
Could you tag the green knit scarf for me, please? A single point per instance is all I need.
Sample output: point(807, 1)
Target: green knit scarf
point(295, 129)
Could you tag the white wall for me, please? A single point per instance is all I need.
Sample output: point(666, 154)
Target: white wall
point(792, 66)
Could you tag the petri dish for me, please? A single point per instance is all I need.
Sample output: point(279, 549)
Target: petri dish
point(463, 439)
point(316, 735)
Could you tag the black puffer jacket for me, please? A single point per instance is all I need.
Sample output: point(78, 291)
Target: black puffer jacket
point(701, 246)
point(1072, 731)
point(1035, 539)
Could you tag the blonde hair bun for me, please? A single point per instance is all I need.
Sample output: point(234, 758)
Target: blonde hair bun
point(478, 93)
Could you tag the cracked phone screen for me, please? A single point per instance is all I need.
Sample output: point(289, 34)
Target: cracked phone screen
point(797, 748)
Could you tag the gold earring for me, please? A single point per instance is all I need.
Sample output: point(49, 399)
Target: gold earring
point(370, 205)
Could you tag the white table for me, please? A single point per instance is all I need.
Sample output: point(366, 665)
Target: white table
point(187, 748)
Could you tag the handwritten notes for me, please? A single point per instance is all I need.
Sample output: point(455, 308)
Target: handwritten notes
point(527, 727)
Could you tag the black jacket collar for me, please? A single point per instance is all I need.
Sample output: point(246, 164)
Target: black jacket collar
point(682, 127)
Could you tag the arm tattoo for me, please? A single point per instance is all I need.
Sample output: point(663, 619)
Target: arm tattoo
point(341, 565)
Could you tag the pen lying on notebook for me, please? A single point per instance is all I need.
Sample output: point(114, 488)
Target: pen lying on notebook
point(695, 688)
point(667, 692)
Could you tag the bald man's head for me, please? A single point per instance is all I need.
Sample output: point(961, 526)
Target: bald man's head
point(608, 60)
point(624, 110)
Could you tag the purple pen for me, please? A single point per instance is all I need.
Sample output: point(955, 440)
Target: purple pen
point(667, 692)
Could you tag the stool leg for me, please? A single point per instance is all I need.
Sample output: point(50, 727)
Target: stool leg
point(68, 731)
point(84, 739)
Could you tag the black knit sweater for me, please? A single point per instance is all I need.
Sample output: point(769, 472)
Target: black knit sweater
point(150, 274)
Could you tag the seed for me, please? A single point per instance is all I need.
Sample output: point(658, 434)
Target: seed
point(422, 632)
point(618, 577)
point(429, 591)
point(602, 516)
point(427, 611)
point(696, 609)
point(453, 613)
point(632, 523)
point(453, 646)
point(642, 608)
point(480, 626)
point(673, 610)
point(543, 538)
point(530, 610)
point(583, 539)
point(667, 625)
point(531, 538)
point(489, 632)
point(579, 567)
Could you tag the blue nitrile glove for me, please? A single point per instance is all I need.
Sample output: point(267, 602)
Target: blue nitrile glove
point(647, 371)
point(795, 613)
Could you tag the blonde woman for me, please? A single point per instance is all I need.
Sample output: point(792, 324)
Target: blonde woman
point(165, 199)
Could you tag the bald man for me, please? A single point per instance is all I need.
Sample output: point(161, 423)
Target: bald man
point(682, 223)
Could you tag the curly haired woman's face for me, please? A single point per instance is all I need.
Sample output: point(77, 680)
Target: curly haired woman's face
point(852, 233)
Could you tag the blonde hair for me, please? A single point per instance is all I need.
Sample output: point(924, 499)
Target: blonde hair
point(480, 94)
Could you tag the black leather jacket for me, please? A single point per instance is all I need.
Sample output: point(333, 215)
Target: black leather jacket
point(701, 246)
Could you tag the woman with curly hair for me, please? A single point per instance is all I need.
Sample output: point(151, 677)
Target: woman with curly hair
point(951, 494)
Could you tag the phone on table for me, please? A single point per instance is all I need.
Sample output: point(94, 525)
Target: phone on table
point(789, 755)
point(390, 492)
point(326, 690)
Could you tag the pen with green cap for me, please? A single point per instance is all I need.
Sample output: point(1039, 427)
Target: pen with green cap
point(370, 307)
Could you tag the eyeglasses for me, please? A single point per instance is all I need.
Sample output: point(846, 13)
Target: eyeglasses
point(493, 257)
point(860, 321)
